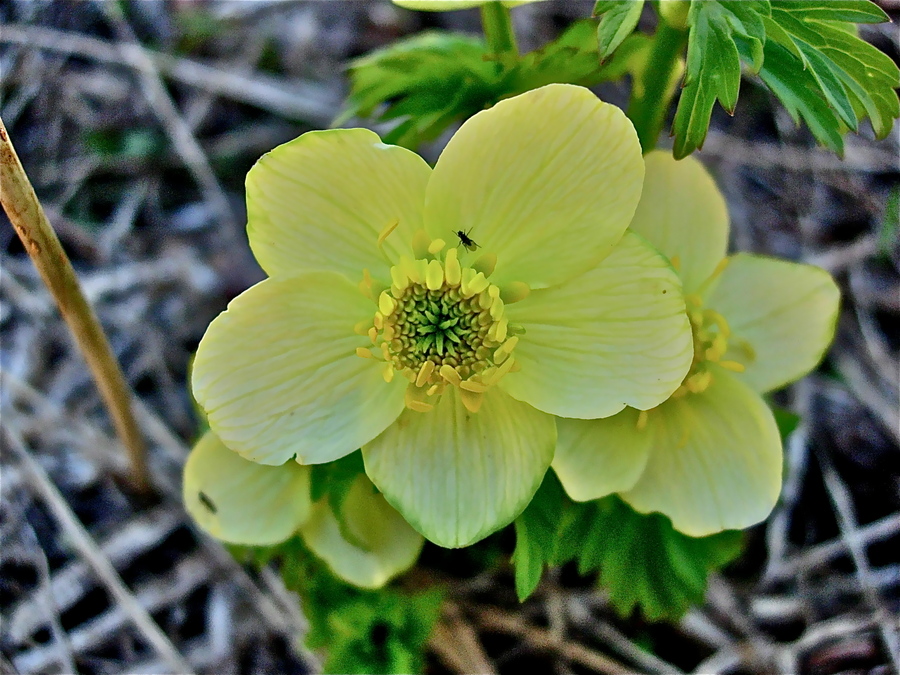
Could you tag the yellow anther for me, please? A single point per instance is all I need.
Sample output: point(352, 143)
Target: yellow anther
point(434, 275)
point(373, 334)
point(497, 331)
point(471, 400)
point(399, 278)
point(424, 373)
point(485, 264)
point(386, 304)
point(420, 243)
point(516, 367)
point(388, 372)
point(505, 349)
point(497, 309)
point(514, 292)
point(362, 328)
point(452, 269)
point(698, 382)
point(485, 300)
point(364, 353)
point(433, 389)
point(733, 366)
point(390, 227)
point(378, 321)
point(388, 332)
point(419, 406)
point(450, 374)
point(477, 284)
point(474, 385)
point(436, 246)
point(502, 370)
point(411, 269)
point(642, 420)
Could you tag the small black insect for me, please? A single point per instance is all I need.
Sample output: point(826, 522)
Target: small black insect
point(207, 502)
point(466, 240)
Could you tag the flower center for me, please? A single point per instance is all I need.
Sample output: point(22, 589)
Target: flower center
point(441, 324)
point(711, 333)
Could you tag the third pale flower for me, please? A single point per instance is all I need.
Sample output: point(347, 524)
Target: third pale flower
point(710, 456)
point(446, 363)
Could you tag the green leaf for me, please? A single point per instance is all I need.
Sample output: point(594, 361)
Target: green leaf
point(383, 631)
point(426, 81)
point(786, 420)
point(334, 480)
point(644, 562)
point(714, 64)
point(536, 535)
point(890, 224)
point(572, 59)
point(618, 21)
point(855, 79)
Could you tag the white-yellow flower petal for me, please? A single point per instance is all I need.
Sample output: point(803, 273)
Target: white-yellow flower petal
point(782, 317)
point(278, 375)
point(684, 215)
point(715, 462)
point(616, 336)
point(321, 201)
point(596, 458)
point(243, 502)
point(548, 180)
point(457, 476)
point(385, 543)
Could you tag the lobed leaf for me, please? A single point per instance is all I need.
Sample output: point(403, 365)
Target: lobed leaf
point(618, 21)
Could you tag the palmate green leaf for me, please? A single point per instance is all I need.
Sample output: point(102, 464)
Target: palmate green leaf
point(714, 63)
point(362, 631)
point(806, 51)
point(856, 79)
point(644, 562)
point(427, 81)
point(618, 21)
point(641, 559)
point(572, 59)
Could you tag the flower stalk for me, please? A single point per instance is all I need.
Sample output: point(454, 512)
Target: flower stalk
point(649, 104)
point(498, 33)
point(30, 222)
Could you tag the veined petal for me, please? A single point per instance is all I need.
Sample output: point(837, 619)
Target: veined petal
point(596, 458)
point(385, 543)
point(458, 476)
point(683, 214)
point(782, 317)
point(548, 180)
point(319, 202)
point(242, 502)
point(616, 336)
point(715, 462)
point(278, 374)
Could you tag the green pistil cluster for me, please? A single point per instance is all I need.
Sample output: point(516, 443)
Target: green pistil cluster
point(442, 327)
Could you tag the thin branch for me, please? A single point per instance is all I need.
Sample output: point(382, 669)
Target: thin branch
point(30, 222)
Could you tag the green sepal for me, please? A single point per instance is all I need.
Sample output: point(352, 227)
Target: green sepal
point(334, 480)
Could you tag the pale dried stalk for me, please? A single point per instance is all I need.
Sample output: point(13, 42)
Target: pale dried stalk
point(30, 222)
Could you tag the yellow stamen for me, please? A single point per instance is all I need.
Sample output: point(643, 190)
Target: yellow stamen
point(641, 424)
point(733, 366)
point(436, 246)
point(474, 385)
point(452, 269)
point(386, 304)
point(485, 264)
point(364, 353)
point(388, 372)
point(419, 406)
point(424, 373)
point(450, 374)
point(471, 400)
point(514, 292)
point(390, 227)
point(420, 243)
point(399, 279)
point(434, 275)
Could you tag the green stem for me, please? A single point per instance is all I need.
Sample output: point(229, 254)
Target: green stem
point(31, 224)
point(648, 111)
point(498, 33)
